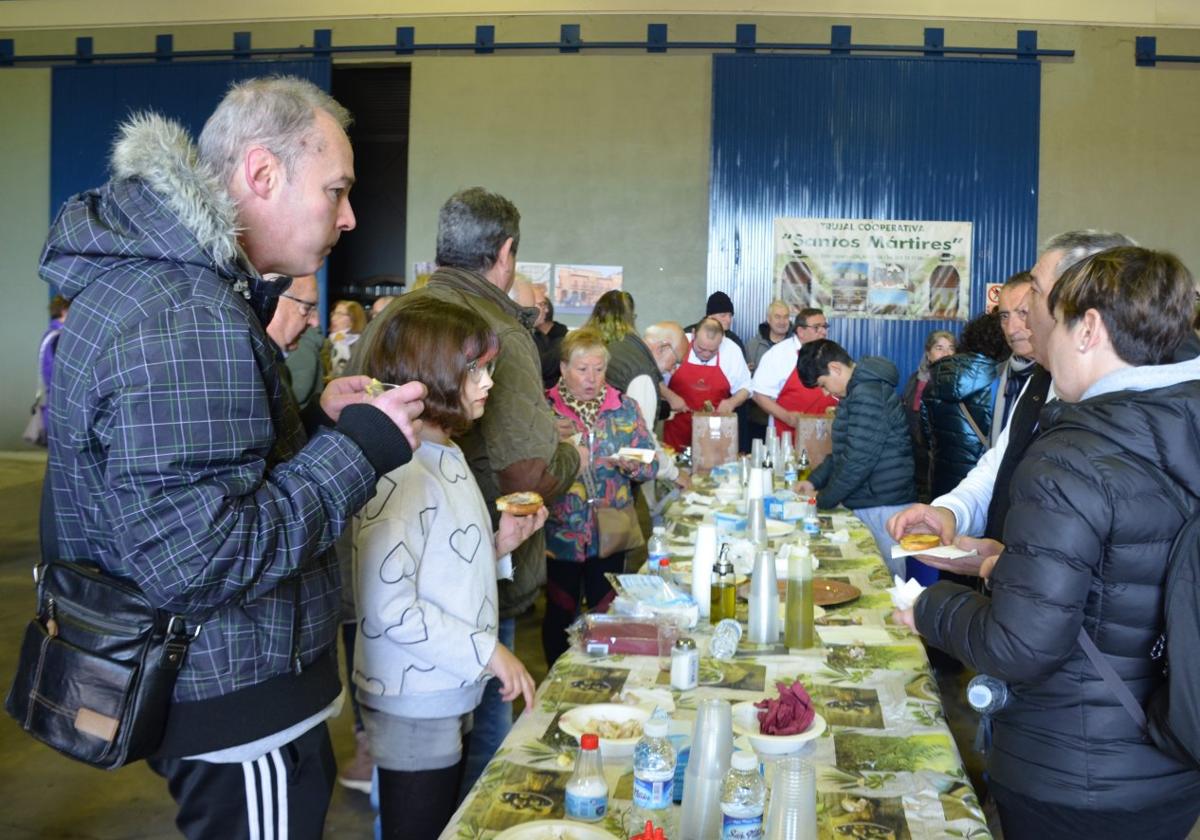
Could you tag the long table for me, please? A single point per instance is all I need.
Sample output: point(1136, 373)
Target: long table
point(887, 766)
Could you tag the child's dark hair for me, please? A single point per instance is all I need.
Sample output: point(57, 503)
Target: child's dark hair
point(433, 342)
point(814, 358)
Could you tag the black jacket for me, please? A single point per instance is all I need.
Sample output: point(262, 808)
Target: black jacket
point(548, 346)
point(954, 448)
point(1087, 539)
point(871, 463)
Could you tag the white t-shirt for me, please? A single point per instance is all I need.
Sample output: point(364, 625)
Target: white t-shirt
point(731, 362)
point(775, 367)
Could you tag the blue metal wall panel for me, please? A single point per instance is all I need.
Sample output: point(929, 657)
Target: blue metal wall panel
point(872, 138)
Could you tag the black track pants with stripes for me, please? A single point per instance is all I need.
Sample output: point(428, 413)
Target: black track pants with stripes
point(282, 796)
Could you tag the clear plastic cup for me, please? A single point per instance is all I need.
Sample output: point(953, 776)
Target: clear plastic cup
point(792, 814)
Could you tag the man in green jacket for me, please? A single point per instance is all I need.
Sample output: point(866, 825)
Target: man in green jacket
point(870, 469)
point(515, 445)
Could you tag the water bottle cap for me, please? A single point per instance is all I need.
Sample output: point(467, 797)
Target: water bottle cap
point(589, 741)
point(660, 529)
point(979, 695)
point(655, 728)
point(742, 760)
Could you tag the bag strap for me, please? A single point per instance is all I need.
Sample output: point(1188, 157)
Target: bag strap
point(974, 426)
point(1114, 682)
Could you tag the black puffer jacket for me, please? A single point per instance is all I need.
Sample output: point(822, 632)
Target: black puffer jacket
point(954, 448)
point(871, 463)
point(1087, 539)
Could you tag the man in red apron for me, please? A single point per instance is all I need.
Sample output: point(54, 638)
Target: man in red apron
point(777, 388)
point(707, 380)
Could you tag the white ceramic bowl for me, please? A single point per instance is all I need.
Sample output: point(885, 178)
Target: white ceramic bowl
point(745, 722)
point(554, 830)
point(574, 722)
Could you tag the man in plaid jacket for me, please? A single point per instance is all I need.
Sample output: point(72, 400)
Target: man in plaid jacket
point(178, 459)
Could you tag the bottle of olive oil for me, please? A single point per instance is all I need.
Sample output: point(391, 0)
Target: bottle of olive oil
point(798, 611)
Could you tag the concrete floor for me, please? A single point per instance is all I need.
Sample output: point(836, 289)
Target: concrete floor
point(43, 795)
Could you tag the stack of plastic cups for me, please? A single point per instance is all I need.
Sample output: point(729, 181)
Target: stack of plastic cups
point(712, 745)
point(756, 453)
point(763, 614)
point(756, 515)
point(792, 814)
point(702, 566)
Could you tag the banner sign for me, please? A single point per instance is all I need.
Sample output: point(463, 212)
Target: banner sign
point(869, 268)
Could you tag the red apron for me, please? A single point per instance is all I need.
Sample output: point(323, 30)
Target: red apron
point(795, 397)
point(695, 383)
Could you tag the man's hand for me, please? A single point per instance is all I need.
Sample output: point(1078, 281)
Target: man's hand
point(403, 405)
point(987, 551)
point(514, 679)
point(514, 530)
point(566, 428)
point(674, 400)
point(683, 479)
point(923, 519)
point(727, 406)
point(793, 418)
point(803, 488)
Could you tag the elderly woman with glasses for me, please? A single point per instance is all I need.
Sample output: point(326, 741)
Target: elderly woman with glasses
point(578, 553)
point(1097, 500)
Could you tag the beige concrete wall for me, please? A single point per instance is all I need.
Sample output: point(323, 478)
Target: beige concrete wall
point(607, 154)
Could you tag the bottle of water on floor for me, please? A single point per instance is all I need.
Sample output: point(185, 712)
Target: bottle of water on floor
point(653, 779)
point(743, 798)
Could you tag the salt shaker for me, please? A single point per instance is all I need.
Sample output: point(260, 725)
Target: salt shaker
point(685, 665)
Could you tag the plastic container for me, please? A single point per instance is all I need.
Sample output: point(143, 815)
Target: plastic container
point(798, 611)
point(653, 779)
point(812, 525)
point(793, 811)
point(987, 695)
point(712, 742)
point(587, 792)
point(657, 553)
point(763, 613)
point(725, 638)
point(743, 799)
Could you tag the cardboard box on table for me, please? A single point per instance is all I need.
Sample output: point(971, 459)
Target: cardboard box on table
point(815, 433)
point(714, 440)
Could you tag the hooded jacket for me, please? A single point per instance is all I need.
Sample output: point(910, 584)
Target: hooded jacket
point(760, 343)
point(871, 463)
point(967, 379)
point(178, 459)
point(1095, 507)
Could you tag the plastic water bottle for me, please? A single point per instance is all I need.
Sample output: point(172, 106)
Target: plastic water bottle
point(659, 559)
point(587, 792)
point(743, 798)
point(987, 695)
point(653, 777)
point(812, 525)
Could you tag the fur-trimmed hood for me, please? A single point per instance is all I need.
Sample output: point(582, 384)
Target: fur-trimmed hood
point(162, 203)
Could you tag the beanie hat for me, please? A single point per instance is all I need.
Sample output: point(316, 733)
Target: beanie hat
point(718, 303)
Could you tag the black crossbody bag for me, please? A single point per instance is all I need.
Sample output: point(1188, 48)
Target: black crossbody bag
point(98, 663)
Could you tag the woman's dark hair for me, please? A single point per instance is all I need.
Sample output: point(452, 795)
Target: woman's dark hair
point(432, 341)
point(814, 359)
point(1144, 297)
point(984, 335)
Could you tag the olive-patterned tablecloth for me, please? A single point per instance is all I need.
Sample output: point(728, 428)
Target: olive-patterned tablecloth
point(887, 766)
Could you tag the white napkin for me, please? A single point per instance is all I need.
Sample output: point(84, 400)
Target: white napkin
point(842, 536)
point(699, 499)
point(904, 593)
point(649, 699)
point(946, 552)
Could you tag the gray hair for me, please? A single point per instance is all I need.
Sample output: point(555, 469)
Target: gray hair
point(1078, 245)
point(473, 225)
point(663, 331)
point(276, 112)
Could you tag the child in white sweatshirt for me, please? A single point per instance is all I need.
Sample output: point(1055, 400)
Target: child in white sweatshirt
point(425, 568)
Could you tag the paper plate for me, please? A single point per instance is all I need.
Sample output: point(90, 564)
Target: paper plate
point(554, 830)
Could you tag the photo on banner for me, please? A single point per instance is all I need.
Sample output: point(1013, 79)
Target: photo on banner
point(868, 268)
point(578, 287)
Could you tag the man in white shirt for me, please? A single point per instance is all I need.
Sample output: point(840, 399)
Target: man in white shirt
point(667, 345)
point(777, 389)
point(970, 509)
point(712, 377)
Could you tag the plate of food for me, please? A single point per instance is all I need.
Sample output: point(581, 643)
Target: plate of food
point(829, 592)
point(618, 726)
point(779, 725)
point(554, 830)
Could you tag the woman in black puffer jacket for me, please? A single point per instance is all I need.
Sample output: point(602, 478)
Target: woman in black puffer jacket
point(1097, 501)
point(965, 380)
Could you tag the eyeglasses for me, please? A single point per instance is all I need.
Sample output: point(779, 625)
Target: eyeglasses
point(666, 345)
point(305, 306)
point(476, 371)
point(824, 325)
